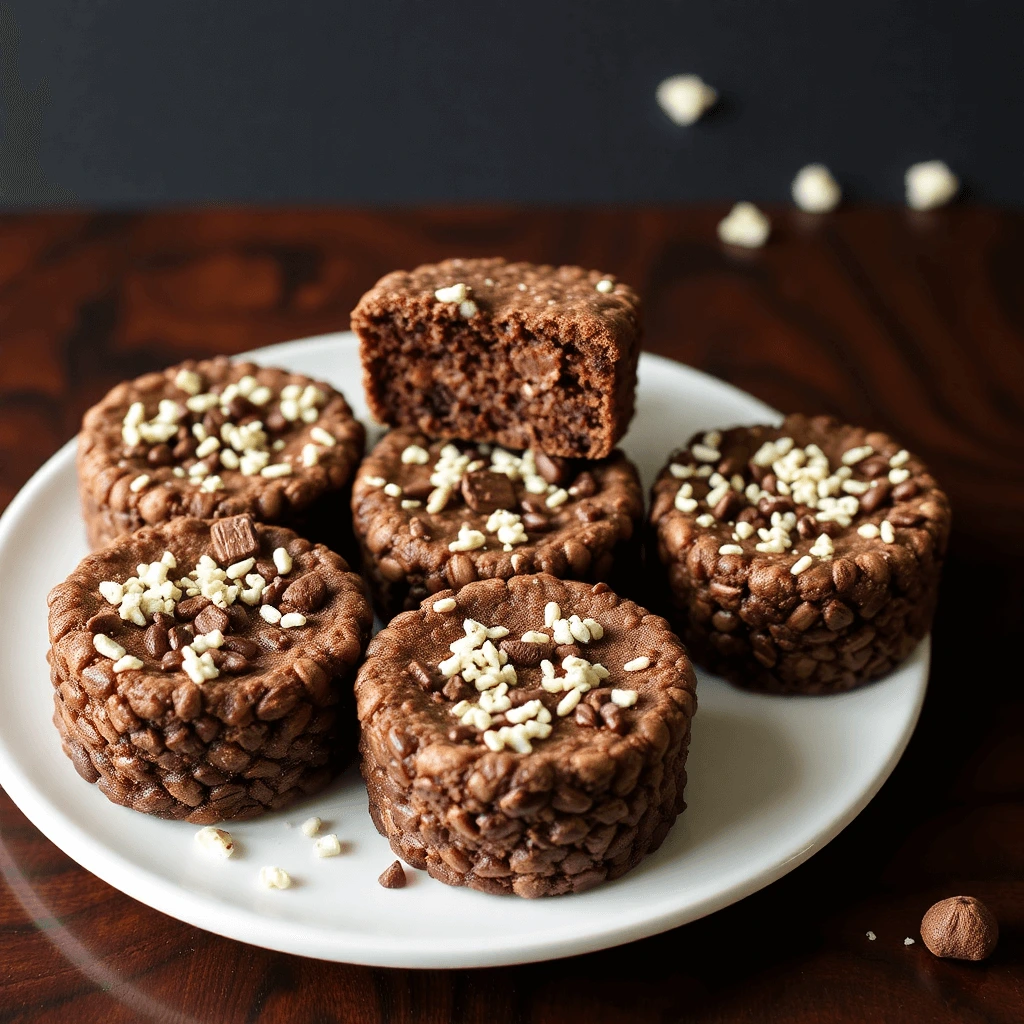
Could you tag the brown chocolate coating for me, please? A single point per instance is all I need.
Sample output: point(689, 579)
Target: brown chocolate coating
point(272, 726)
point(544, 360)
point(849, 617)
point(589, 801)
point(593, 535)
point(312, 499)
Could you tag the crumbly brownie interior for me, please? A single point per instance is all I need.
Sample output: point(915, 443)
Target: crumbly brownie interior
point(200, 667)
point(211, 439)
point(801, 558)
point(432, 514)
point(526, 736)
point(517, 354)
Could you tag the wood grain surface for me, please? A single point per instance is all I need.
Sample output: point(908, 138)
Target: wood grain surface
point(911, 323)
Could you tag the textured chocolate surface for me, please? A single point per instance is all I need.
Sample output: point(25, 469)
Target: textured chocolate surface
point(861, 604)
point(593, 534)
point(531, 357)
point(311, 498)
point(274, 723)
point(585, 804)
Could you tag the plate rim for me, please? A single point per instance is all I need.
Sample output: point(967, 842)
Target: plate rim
point(319, 942)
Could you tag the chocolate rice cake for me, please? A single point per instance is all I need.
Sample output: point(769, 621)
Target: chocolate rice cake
point(521, 355)
point(203, 669)
point(526, 736)
point(434, 514)
point(219, 438)
point(799, 559)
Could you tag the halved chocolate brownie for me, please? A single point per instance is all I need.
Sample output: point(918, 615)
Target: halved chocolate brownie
point(521, 355)
point(526, 736)
point(203, 669)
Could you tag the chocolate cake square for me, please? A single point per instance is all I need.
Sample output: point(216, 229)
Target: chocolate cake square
point(522, 355)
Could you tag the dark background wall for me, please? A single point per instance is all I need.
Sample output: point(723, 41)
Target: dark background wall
point(142, 102)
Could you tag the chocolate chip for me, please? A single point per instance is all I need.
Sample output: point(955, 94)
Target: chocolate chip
point(273, 591)
point(728, 506)
point(273, 639)
point(519, 696)
point(428, 678)
point(531, 503)
point(748, 514)
point(586, 512)
point(188, 609)
point(275, 421)
point(567, 651)
point(905, 491)
point(457, 689)
point(536, 522)
point(460, 733)
point(179, 636)
point(172, 660)
point(211, 618)
point(598, 697)
point(524, 654)
point(807, 527)
point(239, 616)
point(614, 718)
point(104, 622)
point(875, 497)
point(769, 482)
point(585, 715)
point(307, 593)
point(241, 645)
point(393, 877)
point(584, 485)
point(553, 469)
point(418, 490)
point(419, 529)
point(874, 467)
point(165, 620)
point(213, 420)
point(155, 641)
point(234, 539)
point(233, 662)
point(734, 462)
point(160, 455)
point(770, 505)
point(486, 492)
point(185, 449)
point(239, 407)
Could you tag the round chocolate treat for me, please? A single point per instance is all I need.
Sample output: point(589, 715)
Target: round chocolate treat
point(430, 515)
point(525, 736)
point(214, 439)
point(799, 559)
point(202, 669)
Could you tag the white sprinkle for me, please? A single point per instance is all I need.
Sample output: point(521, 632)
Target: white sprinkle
point(624, 698)
point(410, 503)
point(730, 549)
point(887, 533)
point(801, 564)
point(189, 381)
point(274, 878)
point(327, 846)
point(493, 741)
point(468, 309)
point(534, 636)
point(595, 627)
point(112, 592)
point(126, 663)
point(454, 293)
point(908, 941)
point(556, 498)
point(468, 540)
point(237, 570)
point(568, 702)
point(322, 437)
point(901, 458)
point(637, 664)
point(745, 226)
point(212, 483)
point(202, 403)
point(107, 647)
point(871, 936)
point(311, 826)
point(815, 190)
point(139, 482)
point(446, 604)
point(604, 286)
point(393, 490)
point(684, 502)
point(276, 470)
point(685, 98)
point(229, 459)
point(551, 613)
point(207, 447)
point(283, 561)
point(268, 613)
point(704, 453)
point(215, 841)
point(868, 531)
point(744, 530)
point(292, 619)
point(856, 486)
point(374, 481)
point(897, 476)
point(415, 455)
point(680, 472)
point(310, 455)
point(854, 455)
point(438, 499)
point(930, 184)
point(705, 520)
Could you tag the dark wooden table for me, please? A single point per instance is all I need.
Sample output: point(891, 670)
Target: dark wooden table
point(911, 323)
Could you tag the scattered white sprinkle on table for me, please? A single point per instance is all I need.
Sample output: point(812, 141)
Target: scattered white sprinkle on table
point(745, 226)
point(930, 184)
point(685, 98)
point(815, 190)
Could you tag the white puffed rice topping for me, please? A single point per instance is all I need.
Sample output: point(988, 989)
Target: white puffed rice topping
point(685, 98)
point(311, 826)
point(930, 184)
point(468, 539)
point(327, 846)
point(815, 190)
point(637, 664)
point(453, 293)
point(446, 604)
point(745, 226)
point(215, 841)
point(274, 878)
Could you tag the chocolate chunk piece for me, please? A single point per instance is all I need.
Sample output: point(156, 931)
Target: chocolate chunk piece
point(523, 653)
point(393, 876)
point(234, 539)
point(486, 492)
point(307, 593)
point(211, 618)
point(554, 470)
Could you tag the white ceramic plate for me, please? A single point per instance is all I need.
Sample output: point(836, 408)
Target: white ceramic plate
point(772, 779)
